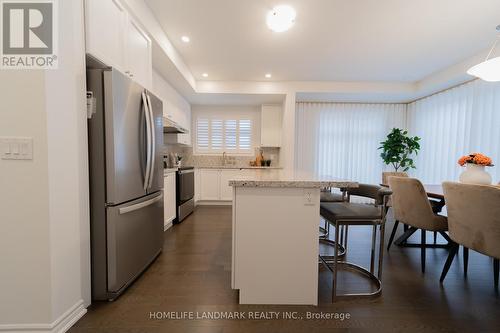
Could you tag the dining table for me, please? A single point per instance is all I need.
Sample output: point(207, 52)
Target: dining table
point(434, 191)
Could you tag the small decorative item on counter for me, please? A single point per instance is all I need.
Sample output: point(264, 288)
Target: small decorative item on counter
point(268, 163)
point(259, 159)
point(178, 160)
point(252, 163)
point(475, 172)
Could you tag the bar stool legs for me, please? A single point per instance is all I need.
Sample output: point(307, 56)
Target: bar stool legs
point(334, 265)
point(341, 245)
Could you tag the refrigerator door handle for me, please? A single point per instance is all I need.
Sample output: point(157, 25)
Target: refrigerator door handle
point(148, 141)
point(153, 141)
point(141, 205)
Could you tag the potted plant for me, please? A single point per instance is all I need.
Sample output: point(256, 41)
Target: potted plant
point(398, 150)
point(475, 172)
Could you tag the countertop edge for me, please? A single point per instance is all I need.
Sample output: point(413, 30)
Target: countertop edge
point(239, 168)
point(292, 183)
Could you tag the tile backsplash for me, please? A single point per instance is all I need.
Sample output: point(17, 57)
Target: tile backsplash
point(188, 158)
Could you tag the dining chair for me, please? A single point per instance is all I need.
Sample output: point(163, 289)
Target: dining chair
point(385, 181)
point(473, 221)
point(411, 206)
point(349, 213)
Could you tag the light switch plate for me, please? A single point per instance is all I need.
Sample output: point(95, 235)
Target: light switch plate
point(16, 148)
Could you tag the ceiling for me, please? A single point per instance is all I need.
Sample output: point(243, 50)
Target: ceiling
point(332, 40)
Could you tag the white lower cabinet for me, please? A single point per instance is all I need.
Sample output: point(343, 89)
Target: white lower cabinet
point(226, 191)
point(169, 198)
point(213, 184)
point(209, 184)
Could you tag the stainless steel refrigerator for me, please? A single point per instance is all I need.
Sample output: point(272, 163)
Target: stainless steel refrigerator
point(126, 180)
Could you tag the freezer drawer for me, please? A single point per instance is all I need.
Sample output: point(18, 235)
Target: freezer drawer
point(134, 237)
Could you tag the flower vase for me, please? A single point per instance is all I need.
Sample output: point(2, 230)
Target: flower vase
point(475, 174)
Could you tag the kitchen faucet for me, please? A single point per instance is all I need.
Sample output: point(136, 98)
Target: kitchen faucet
point(224, 159)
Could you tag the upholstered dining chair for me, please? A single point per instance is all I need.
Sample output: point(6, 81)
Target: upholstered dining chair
point(385, 182)
point(412, 207)
point(473, 221)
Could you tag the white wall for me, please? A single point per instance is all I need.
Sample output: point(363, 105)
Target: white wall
point(43, 202)
point(24, 208)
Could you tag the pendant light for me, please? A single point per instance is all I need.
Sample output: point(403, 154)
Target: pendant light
point(488, 70)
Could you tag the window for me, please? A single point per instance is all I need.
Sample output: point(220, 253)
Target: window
point(342, 140)
point(452, 123)
point(215, 135)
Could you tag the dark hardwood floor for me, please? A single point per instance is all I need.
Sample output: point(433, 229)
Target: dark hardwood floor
point(193, 274)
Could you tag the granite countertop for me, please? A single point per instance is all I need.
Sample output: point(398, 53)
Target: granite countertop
point(170, 170)
point(298, 180)
point(239, 168)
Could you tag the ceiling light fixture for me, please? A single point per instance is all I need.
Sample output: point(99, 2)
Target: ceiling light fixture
point(268, 76)
point(185, 39)
point(281, 18)
point(488, 70)
point(204, 75)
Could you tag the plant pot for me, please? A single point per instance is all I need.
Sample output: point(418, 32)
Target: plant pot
point(475, 174)
point(386, 175)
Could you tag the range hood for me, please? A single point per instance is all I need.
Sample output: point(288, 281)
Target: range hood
point(170, 126)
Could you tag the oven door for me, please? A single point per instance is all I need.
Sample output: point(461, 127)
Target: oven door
point(185, 185)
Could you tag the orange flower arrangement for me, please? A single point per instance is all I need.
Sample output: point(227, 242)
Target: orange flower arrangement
point(475, 158)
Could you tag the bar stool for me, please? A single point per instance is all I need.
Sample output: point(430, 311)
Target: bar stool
point(358, 214)
point(326, 195)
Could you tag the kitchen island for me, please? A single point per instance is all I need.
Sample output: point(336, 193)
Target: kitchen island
point(275, 237)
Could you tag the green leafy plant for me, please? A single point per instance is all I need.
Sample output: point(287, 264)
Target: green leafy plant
point(398, 149)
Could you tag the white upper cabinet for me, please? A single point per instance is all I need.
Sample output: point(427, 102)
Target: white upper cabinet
point(271, 124)
point(113, 37)
point(138, 54)
point(105, 34)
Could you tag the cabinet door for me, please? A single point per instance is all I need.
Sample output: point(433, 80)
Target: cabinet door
point(197, 186)
point(169, 197)
point(138, 53)
point(226, 191)
point(172, 207)
point(209, 184)
point(271, 123)
point(105, 24)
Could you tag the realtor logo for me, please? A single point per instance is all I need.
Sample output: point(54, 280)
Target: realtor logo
point(28, 34)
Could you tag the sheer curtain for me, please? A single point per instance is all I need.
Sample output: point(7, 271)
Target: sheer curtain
point(341, 139)
point(453, 123)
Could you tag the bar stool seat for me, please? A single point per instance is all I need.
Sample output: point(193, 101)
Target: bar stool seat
point(349, 211)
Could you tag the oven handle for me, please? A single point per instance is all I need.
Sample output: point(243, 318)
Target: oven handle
point(182, 172)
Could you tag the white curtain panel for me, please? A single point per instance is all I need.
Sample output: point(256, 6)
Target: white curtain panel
point(341, 139)
point(458, 121)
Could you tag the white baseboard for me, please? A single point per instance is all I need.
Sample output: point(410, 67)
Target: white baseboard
point(60, 325)
point(168, 225)
point(214, 203)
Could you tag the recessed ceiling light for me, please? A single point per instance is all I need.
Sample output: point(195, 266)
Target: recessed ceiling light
point(185, 39)
point(268, 76)
point(204, 75)
point(281, 18)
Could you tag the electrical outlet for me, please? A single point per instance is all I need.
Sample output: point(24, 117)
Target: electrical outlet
point(308, 197)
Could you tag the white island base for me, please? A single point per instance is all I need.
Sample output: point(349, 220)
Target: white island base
point(275, 240)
